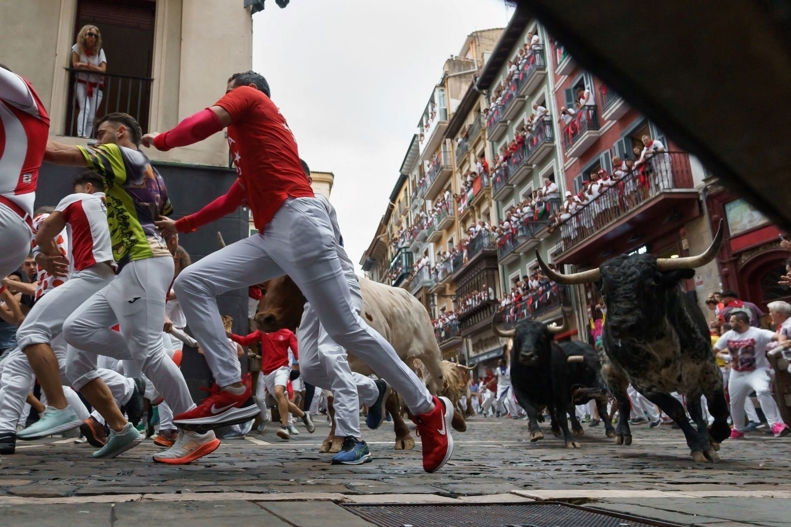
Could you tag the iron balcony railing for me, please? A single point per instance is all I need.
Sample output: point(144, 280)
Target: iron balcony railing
point(484, 240)
point(422, 278)
point(607, 97)
point(586, 119)
point(660, 172)
point(536, 61)
point(548, 297)
point(542, 133)
point(517, 161)
point(93, 95)
point(439, 163)
point(477, 126)
point(506, 245)
point(457, 262)
point(461, 150)
point(494, 117)
point(499, 178)
point(443, 270)
point(447, 331)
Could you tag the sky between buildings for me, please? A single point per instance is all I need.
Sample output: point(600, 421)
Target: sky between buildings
point(352, 78)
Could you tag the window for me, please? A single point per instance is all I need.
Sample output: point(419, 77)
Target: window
point(126, 86)
point(578, 183)
point(527, 191)
point(585, 82)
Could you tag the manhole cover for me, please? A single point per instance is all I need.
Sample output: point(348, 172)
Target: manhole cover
point(512, 515)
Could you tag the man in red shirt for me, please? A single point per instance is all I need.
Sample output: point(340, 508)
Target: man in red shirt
point(276, 370)
point(284, 209)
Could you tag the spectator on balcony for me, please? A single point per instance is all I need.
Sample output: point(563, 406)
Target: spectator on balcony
point(482, 166)
point(655, 157)
point(550, 189)
point(87, 55)
point(539, 112)
point(584, 98)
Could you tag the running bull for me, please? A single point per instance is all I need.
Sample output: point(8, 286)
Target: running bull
point(656, 337)
point(398, 316)
point(552, 376)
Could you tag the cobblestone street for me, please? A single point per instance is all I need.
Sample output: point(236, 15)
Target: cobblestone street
point(492, 462)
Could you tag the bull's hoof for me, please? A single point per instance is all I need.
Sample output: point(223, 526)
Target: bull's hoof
point(715, 446)
point(623, 439)
point(458, 423)
point(556, 433)
point(536, 436)
point(572, 444)
point(712, 456)
point(325, 446)
point(698, 457)
point(578, 432)
point(610, 433)
point(404, 443)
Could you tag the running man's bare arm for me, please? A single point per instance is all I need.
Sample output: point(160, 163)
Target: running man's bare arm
point(60, 154)
point(48, 255)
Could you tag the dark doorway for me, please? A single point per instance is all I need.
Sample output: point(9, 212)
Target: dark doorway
point(127, 30)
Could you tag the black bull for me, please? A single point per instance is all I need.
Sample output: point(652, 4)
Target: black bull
point(554, 376)
point(657, 338)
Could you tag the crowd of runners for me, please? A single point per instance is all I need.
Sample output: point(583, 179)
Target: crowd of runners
point(115, 290)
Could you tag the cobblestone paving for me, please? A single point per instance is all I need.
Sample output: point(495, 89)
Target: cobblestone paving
point(492, 457)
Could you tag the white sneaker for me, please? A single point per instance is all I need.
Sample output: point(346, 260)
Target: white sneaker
point(188, 447)
point(292, 430)
point(282, 433)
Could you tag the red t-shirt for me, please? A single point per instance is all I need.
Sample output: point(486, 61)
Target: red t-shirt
point(274, 347)
point(264, 152)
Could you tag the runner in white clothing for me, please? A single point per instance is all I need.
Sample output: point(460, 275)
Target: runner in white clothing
point(24, 126)
point(84, 216)
point(750, 371)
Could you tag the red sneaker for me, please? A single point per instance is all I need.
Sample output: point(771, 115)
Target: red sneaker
point(220, 408)
point(434, 429)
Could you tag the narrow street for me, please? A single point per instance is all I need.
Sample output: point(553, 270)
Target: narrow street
point(492, 463)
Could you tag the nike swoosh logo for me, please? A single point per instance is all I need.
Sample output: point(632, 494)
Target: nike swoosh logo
point(216, 410)
point(135, 299)
point(442, 430)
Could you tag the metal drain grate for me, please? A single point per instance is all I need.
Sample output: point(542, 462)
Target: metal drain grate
point(544, 514)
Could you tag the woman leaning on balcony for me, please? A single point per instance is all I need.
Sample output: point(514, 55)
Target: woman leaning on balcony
point(87, 54)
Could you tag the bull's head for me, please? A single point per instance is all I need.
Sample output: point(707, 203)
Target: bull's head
point(532, 340)
point(281, 306)
point(637, 288)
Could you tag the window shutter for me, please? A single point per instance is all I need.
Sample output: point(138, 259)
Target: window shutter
point(605, 161)
point(656, 133)
point(578, 183)
point(569, 96)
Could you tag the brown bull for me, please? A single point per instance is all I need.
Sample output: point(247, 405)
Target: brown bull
point(399, 317)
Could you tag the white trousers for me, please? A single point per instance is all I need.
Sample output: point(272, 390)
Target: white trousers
point(88, 107)
point(16, 241)
point(749, 407)
point(505, 397)
point(324, 363)
point(17, 382)
point(299, 241)
point(488, 400)
point(642, 405)
point(741, 384)
point(135, 301)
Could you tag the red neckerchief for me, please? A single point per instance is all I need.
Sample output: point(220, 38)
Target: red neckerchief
point(649, 144)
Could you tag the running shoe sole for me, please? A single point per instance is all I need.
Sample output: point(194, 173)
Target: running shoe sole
point(52, 431)
point(282, 434)
point(232, 416)
point(204, 450)
point(121, 450)
point(448, 418)
point(382, 409)
point(88, 430)
point(365, 459)
point(163, 441)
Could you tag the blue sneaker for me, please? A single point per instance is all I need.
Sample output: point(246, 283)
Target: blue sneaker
point(120, 442)
point(377, 411)
point(353, 452)
point(52, 421)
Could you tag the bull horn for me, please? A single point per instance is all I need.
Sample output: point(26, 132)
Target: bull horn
point(500, 332)
point(554, 330)
point(220, 240)
point(575, 358)
point(693, 262)
point(570, 279)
